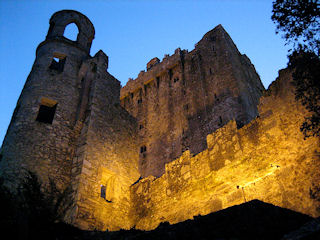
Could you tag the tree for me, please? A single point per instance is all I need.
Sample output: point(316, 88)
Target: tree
point(300, 22)
point(306, 79)
point(35, 210)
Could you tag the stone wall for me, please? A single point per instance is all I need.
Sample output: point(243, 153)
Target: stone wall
point(188, 95)
point(268, 159)
point(36, 140)
point(107, 152)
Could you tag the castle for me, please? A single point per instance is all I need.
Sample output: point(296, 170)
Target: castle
point(191, 135)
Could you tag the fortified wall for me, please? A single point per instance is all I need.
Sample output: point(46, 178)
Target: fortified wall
point(187, 137)
point(267, 159)
point(188, 95)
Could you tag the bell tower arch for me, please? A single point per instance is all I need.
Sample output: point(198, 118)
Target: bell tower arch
point(60, 20)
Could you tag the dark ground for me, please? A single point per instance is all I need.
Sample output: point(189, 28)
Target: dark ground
point(251, 220)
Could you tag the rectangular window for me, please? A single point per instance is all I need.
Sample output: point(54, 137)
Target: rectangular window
point(103, 192)
point(46, 111)
point(170, 73)
point(58, 62)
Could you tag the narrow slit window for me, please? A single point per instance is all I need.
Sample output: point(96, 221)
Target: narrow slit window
point(103, 191)
point(145, 90)
point(58, 62)
point(46, 111)
point(158, 81)
point(170, 73)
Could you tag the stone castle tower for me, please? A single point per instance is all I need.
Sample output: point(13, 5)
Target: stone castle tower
point(188, 95)
point(68, 124)
point(133, 155)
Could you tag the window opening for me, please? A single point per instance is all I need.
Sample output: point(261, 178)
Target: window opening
point(216, 98)
point(94, 68)
point(139, 101)
point(220, 120)
point(143, 149)
point(103, 191)
point(58, 62)
point(158, 81)
point(176, 79)
point(71, 32)
point(140, 126)
point(46, 111)
point(145, 89)
point(170, 74)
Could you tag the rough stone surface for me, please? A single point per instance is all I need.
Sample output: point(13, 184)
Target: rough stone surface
point(268, 159)
point(179, 101)
point(177, 125)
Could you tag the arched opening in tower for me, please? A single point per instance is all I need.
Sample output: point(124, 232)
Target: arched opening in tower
point(71, 32)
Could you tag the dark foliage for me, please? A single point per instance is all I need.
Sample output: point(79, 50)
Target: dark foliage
point(306, 78)
point(299, 20)
point(34, 210)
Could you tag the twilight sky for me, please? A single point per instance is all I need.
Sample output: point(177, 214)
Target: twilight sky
point(131, 32)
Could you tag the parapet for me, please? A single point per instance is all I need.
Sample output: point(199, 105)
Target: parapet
point(155, 68)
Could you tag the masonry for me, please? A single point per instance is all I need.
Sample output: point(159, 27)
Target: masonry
point(191, 135)
point(188, 95)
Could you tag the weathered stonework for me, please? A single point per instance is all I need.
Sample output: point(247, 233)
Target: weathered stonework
point(188, 95)
point(268, 159)
point(191, 126)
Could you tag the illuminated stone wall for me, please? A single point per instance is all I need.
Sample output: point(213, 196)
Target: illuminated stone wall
point(93, 143)
point(267, 159)
point(179, 101)
point(106, 159)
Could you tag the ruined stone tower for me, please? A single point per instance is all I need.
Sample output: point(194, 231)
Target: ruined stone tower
point(40, 135)
point(68, 124)
point(183, 140)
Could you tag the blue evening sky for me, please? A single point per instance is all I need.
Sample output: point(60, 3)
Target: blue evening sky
point(131, 32)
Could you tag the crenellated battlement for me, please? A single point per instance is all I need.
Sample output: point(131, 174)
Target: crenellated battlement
point(188, 93)
point(156, 71)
